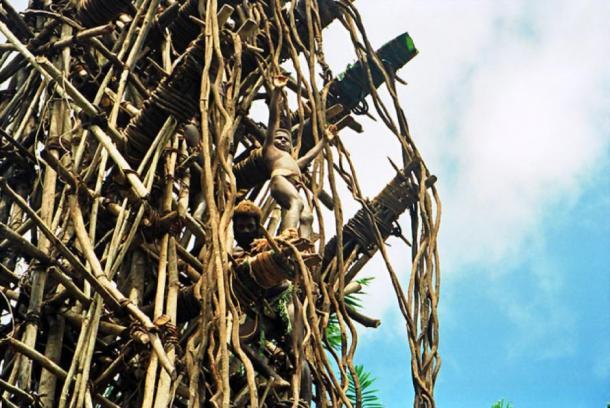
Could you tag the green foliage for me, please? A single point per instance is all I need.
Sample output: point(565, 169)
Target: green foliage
point(502, 404)
point(333, 331)
point(281, 307)
point(369, 394)
point(354, 299)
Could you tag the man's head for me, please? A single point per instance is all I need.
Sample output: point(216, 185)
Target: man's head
point(246, 220)
point(283, 140)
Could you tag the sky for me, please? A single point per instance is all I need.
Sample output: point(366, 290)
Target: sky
point(508, 103)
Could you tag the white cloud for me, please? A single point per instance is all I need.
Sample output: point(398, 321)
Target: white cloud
point(504, 102)
point(507, 102)
point(529, 134)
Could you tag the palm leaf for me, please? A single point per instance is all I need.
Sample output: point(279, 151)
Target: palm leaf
point(502, 404)
point(354, 300)
point(333, 333)
point(370, 399)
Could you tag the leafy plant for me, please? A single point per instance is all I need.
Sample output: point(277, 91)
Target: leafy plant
point(502, 404)
point(333, 331)
point(353, 299)
point(370, 399)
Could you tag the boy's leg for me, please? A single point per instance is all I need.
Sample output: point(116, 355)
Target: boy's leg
point(306, 219)
point(287, 196)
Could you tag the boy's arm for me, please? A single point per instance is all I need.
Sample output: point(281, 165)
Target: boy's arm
point(308, 157)
point(274, 109)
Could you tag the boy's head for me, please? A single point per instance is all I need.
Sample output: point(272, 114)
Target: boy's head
point(283, 140)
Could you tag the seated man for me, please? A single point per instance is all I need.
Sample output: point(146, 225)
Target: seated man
point(259, 272)
point(267, 278)
point(264, 294)
point(246, 224)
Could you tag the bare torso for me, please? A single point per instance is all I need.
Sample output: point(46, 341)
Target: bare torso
point(280, 161)
point(286, 170)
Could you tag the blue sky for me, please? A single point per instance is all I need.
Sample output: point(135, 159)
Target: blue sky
point(509, 103)
point(536, 343)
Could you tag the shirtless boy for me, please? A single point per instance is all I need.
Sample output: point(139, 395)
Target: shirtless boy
point(285, 170)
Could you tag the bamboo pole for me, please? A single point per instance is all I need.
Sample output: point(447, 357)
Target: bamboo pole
point(40, 274)
point(66, 89)
point(79, 228)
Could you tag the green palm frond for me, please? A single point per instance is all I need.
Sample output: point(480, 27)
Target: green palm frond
point(333, 333)
point(354, 299)
point(370, 399)
point(502, 404)
point(365, 281)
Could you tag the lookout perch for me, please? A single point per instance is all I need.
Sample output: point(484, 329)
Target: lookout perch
point(144, 261)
